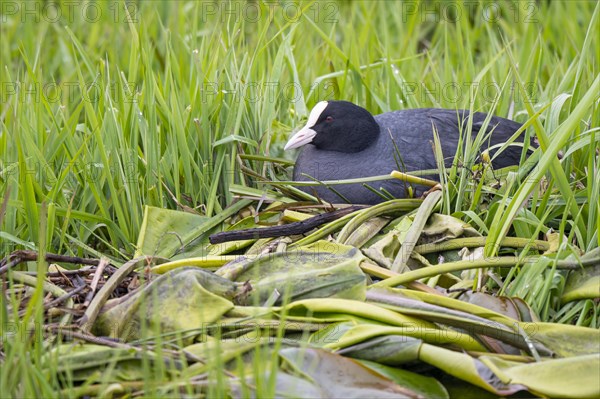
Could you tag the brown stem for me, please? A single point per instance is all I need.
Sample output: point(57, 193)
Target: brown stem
point(21, 256)
point(283, 230)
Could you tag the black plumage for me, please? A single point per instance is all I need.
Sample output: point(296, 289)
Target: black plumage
point(344, 141)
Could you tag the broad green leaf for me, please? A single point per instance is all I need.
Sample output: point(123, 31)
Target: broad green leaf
point(427, 387)
point(340, 377)
point(195, 231)
point(84, 360)
point(235, 138)
point(433, 335)
point(335, 309)
point(391, 350)
point(464, 367)
point(582, 284)
point(321, 270)
point(462, 321)
point(184, 299)
point(163, 228)
point(573, 377)
point(563, 339)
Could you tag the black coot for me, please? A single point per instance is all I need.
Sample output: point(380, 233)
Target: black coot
point(344, 141)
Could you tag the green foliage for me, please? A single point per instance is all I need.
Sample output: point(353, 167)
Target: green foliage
point(151, 104)
point(170, 104)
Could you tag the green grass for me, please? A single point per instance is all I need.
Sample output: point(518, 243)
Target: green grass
point(99, 130)
point(101, 117)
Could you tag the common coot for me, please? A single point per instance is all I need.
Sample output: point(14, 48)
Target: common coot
point(344, 141)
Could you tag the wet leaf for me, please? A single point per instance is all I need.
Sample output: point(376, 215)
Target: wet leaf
point(501, 305)
point(436, 336)
point(582, 284)
point(184, 299)
point(466, 368)
point(563, 339)
point(393, 350)
point(286, 386)
point(163, 228)
point(442, 227)
point(334, 310)
point(574, 377)
point(386, 248)
point(426, 387)
point(366, 231)
point(175, 234)
point(340, 377)
point(83, 362)
point(462, 320)
point(321, 270)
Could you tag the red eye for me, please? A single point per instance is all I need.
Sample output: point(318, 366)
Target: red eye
point(329, 119)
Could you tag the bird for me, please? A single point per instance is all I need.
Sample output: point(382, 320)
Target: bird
point(342, 140)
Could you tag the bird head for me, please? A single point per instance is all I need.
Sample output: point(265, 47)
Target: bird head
point(337, 126)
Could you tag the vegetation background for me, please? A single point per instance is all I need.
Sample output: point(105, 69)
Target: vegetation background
point(107, 107)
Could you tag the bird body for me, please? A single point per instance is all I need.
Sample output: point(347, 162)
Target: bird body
point(344, 141)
